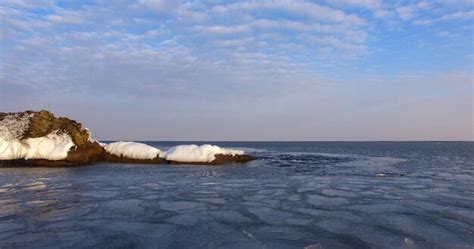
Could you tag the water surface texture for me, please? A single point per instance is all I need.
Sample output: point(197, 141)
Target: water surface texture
point(296, 195)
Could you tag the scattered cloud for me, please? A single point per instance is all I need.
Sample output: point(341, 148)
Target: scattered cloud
point(160, 52)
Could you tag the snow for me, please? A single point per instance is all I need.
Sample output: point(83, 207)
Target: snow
point(12, 126)
point(132, 150)
point(181, 153)
point(194, 153)
point(54, 146)
point(89, 136)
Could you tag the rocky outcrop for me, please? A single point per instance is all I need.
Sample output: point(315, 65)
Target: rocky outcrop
point(41, 139)
point(221, 159)
point(41, 124)
point(120, 159)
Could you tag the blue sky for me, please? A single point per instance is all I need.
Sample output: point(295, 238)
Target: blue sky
point(244, 70)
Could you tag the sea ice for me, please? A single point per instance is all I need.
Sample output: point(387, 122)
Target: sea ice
point(415, 227)
point(231, 217)
point(337, 192)
point(261, 206)
point(269, 215)
point(336, 226)
point(10, 225)
point(179, 205)
point(279, 233)
point(218, 201)
point(319, 200)
point(184, 219)
point(127, 205)
point(298, 221)
point(140, 228)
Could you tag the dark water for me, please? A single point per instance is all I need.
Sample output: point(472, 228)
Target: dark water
point(297, 195)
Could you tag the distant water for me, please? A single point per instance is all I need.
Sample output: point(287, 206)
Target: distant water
point(297, 195)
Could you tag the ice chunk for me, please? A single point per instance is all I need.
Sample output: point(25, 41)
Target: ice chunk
point(269, 215)
point(132, 150)
point(180, 205)
point(149, 230)
point(231, 217)
point(319, 200)
point(336, 226)
point(126, 205)
point(184, 219)
point(194, 153)
point(338, 192)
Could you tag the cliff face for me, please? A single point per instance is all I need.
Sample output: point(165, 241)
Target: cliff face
point(41, 139)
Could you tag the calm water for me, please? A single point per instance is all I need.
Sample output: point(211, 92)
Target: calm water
point(297, 195)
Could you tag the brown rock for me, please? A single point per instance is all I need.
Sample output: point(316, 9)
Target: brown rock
point(120, 159)
point(221, 159)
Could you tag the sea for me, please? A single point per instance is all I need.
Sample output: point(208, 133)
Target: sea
point(311, 195)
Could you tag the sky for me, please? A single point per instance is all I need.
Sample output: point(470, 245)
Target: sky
point(328, 70)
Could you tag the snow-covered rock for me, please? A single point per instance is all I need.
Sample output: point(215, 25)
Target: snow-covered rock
point(54, 146)
point(41, 137)
point(132, 150)
point(192, 153)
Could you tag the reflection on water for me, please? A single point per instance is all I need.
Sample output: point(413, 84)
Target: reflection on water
point(323, 196)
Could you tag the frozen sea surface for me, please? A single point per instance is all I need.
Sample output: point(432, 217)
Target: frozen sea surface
point(297, 195)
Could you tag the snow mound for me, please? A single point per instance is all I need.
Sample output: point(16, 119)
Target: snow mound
point(193, 153)
point(54, 146)
point(132, 150)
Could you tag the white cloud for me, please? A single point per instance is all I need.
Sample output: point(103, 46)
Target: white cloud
point(30, 4)
point(367, 4)
point(460, 15)
point(234, 42)
point(406, 12)
point(335, 42)
point(412, 10)
point(265, 24)
point(65, 17)
point(304, 8)
point(456, 16)
point(159, 5)
point(220, 29)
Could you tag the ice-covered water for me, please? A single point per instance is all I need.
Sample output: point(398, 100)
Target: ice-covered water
point(297, 195)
